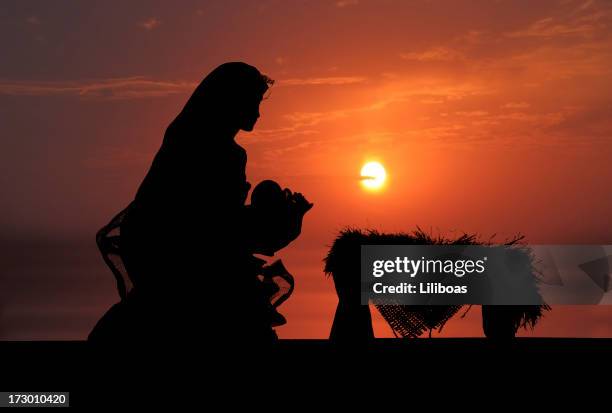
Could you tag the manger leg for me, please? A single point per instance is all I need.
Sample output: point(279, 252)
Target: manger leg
point(498, 322)
point(352, 324)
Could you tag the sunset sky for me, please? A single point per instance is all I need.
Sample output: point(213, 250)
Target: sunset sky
point(490, 117)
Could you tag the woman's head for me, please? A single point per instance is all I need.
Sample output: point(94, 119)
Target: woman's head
point(229, 96)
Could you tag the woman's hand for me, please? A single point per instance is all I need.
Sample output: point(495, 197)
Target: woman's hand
point(298, 201)
point(301, 203)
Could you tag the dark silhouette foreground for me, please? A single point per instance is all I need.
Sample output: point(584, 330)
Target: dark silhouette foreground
point(353, 321)
point(182, 251)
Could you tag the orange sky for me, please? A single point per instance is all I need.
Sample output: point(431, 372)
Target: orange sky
point(490, 117)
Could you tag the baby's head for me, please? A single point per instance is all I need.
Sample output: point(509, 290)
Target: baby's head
point(268, 194)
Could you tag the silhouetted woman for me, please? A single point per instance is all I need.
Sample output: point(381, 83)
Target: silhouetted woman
point(185, 241)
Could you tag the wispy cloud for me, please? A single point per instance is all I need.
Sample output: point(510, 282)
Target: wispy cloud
point(434, 54)
point(516, 105)
point(276, 152)
point(326, 81)
point(550, 27)
point(555, 60)
point(33, 20)
point(546, 119)
point(137, 86)
point(150, 23)
point(588, 18)
point(394, 93)
point(115, 88)
point(346, 3)
point(472, 113)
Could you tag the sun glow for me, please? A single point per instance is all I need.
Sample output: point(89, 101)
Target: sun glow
point(373, 175)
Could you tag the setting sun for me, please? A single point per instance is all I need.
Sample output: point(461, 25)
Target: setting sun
point(373, 175)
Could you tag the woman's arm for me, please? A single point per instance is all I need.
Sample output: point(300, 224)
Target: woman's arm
point(269, 233)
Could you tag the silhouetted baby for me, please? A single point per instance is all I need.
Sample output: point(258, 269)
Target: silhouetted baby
point(277, 216)
point(268, 195)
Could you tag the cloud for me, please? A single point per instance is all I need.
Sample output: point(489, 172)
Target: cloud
point(137, 87)
point(472, 37)
point(549, 27)
point(301, 119)
point(540, 119)
point(346, 3)
point(394, 93)
point(327, 81)
point(33, 20)
point(584, 21)
point(555, 61)
point(472, 113)
point(433, 101)
point(115, 88)
point(275, 153)
point(441, 54)
point(150, 24)
point(516, 105)
point(276, 134)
